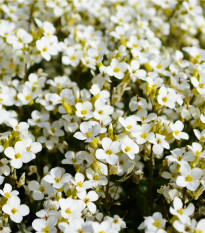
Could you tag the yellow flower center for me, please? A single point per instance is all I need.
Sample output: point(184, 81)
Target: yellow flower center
point(176, 132)
point(53, 130)
point(164, 99)
point(100, 112)
point(108, 151)
point(157, 223)
point(89, 134)
point(95, 177)
point(42, 189)
point(129, 127)
point(44, 49)
point(180, 211)
point(116, 220)
point(202, 138)
point(27, 97)
point(197, 153)
point(86, 200)
point(201, 85)
point(17, 156)
point(84, 112)
point(127, 149)
point(14, 210)
point(7, 194)
point(179, 157)
point(73, 58)
point(143, 118)
point(80, 231)
point(189, 178)
point(80, 184)
point(68, 211)
point(57, 179)
point(46, 230)
point(159, 66)
point(144, 135)
point(116, 70)
point(74, 160)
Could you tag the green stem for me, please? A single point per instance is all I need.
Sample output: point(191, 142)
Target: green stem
point(107, 190)
point(150, 183)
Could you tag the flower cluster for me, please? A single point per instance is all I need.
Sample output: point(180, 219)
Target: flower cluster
point(102, 116)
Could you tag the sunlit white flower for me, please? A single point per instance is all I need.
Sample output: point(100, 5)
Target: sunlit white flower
point(18, 155)
point(182, 213)
point(189, 177)
point(177, 128)
point(15, 210)
point(57, 177)
point(7, 191)
point(117, 68)
point(109, 151)
point(88, 199)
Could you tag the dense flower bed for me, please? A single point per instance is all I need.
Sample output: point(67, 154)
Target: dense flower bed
point(102, 116)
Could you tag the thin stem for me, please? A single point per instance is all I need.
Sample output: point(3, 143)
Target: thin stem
point(184, 196)
point(107, 190)
point(150, 182)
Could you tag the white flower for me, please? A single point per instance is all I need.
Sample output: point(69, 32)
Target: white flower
point(109, 151)
point(104, 226)
point(96, 91)
point(72, 158)
point(15, 210)
point(166, 98)
point(4, 168)
point(18, 155)
point(71, 56)
point(200, 226)
point(153, 223)
point(129, 147)
point(84, 110)
point(200, 85)
point(32, 147)
point(200, 135)
point(189, 177)
point(88, 199)
point(81, 185)
point(116, 69)
point(116, 222)
point(196, 148)
point(159, 144)
point(47, 46)
point(42, 225)
point(89, 130)
point(184, 227)
point(57, 177)
point(17, 41)
point(143, 134)
point(182, 213)
point(39, 189)
point(95, 177)
point(39, 119)
point(134, 70)
point(129, 123)
point(177, 127)
point(179, 156)
point(7, 191)
point(102, 112)
point(71, 208)
point(142, 115)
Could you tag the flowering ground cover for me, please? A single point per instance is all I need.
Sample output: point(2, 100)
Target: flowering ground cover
point(102, 116)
